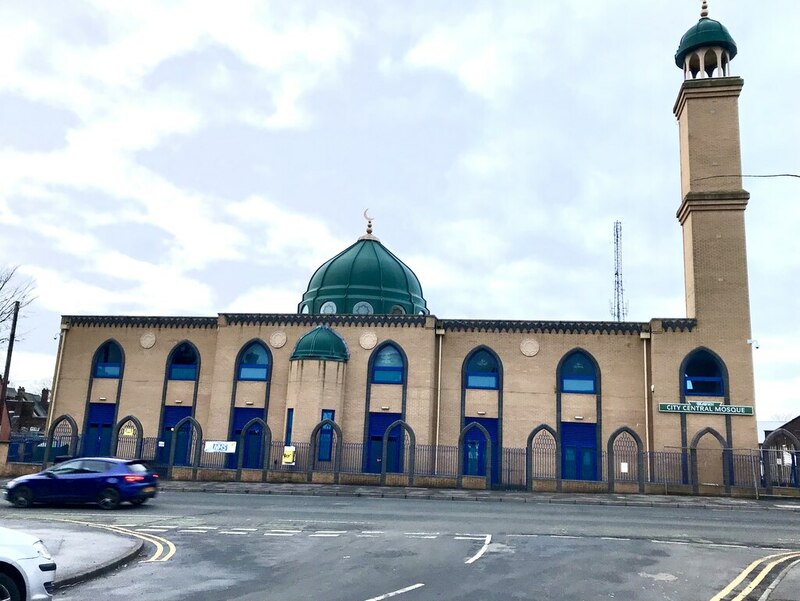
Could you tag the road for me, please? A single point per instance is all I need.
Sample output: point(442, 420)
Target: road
point(289, 548)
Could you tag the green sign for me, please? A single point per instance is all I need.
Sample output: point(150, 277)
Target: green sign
point(708, 408)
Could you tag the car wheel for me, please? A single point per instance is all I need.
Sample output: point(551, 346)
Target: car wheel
point(138, 501)
point(22, 497)
point(8, 589)
point(108, 498)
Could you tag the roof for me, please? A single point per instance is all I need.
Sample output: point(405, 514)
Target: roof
point(321, 343)
point(706, 33)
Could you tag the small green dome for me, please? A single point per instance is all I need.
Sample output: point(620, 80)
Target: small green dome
point(321, 343)
point(364, 278)
point(707, 32)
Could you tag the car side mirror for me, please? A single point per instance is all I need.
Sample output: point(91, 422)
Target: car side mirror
point(50, 475)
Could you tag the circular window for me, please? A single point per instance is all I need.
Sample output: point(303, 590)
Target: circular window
point(305, 310)
point(363, 308)
point(328, 308)
point(398, 310)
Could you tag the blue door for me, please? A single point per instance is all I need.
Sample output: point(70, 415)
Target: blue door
point(172, 415)
point(253, 441)
point(578, 451)
point(475, 448)
point(99, 426)
point(378, 422)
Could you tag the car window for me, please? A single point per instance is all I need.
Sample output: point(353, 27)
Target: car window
point(138, 468)
point(68, 467)
point(94, 466)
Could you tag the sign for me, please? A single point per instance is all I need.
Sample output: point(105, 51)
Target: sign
point(288, 456)
point(623, 467)
point(707, 408)
point(128, 431)
point(219, 446)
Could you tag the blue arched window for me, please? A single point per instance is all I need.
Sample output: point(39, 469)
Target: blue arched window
point(703, 375)
point(483, 371)
point(388, 366)
point(183, 363)
point(578, 374)
point(108, 361)
point(254, 363)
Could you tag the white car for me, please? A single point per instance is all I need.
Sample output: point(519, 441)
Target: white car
point(27, 569)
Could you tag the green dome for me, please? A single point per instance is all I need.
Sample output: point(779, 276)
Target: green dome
point(321, 343)
point(707, 32)
point(364, 278)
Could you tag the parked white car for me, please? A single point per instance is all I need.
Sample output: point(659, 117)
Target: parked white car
point(27, 569)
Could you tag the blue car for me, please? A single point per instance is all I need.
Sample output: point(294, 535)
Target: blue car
point(107, 481)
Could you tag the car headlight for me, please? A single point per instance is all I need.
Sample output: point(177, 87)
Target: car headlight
point(42, 550)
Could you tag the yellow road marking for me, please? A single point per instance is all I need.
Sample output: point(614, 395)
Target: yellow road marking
point(158, 541)
point(738, 580)
point(762, 575)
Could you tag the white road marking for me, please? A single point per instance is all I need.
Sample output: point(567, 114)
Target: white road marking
point(331, 532)
point(726, 546)
point(200, 528)
point(152, 529)
point(280, 531)
point(246, 529)
point(469, 537)
point(613, 538)
point(395, 593)
point(277, 534)
point(366, 536)
point(323, 535)
point(195, 531)
point(372, 532)
point(563, 536)
point(669, 542)
point(233, 532)
point(422, 536)
point(480, 553)
point(420, 533)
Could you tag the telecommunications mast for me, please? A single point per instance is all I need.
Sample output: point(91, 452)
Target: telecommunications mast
point(619, 308)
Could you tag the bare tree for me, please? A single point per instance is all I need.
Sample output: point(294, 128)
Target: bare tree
point(12, 288)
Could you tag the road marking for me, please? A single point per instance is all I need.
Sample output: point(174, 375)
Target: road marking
point(613, 538)
point(372, 532)
point(421, 533)
point(480, 553)
point(330, 532)
point(422, 536)
point(668, 542)
point(366, 536)
point(195, 531)
point(325, 535)
point(201, 528)
point(763, 574)
point(246, 529)
point(234, 532)
point(395, 593)
point(738, 580)
point(150, 529)
point(157, 541)
point(727, 546)
point(280, 531)
point(563, 536)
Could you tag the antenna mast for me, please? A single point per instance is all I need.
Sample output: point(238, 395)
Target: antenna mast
point(619, 308)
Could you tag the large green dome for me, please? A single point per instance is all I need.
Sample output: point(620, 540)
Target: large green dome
point(364, 278)
point(321, 343)
point(707, 32)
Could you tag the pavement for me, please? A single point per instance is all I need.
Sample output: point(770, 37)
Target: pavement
point(82, 552)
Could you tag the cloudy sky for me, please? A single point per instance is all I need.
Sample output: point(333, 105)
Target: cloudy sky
point(190, 158)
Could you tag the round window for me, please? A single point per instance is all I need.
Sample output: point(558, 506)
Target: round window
point(398, 310)
point(329, 308)
point(363, 308)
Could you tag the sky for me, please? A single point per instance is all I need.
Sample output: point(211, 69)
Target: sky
point(193, 158)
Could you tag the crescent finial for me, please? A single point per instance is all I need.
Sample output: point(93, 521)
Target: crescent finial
point(369, 221)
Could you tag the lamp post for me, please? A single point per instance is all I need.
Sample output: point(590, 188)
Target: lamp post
point(3, 412)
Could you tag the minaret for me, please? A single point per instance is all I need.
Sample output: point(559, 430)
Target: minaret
point(713, 201)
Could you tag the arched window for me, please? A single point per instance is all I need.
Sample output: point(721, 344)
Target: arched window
point(483, 371)
point(703, 376)
point(183, 364)
point(578, 374)
point(254, 363)
point(388, 366)
point(108, 361)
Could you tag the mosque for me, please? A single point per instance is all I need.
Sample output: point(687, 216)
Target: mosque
point(364, 367)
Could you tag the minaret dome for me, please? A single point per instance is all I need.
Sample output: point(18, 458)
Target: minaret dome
point(706, 50)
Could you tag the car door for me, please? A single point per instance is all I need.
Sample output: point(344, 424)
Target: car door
point(59, 486)
point(89, 479)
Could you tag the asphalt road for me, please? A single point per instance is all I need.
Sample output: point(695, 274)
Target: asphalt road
point(281, 548)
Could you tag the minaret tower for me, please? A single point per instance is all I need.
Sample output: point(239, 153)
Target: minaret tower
point(713, 201)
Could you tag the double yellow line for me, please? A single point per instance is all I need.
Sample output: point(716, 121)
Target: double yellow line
point(165, 549)
point(769, 562)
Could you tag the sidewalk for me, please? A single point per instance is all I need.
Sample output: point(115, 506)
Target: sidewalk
point(80, 552)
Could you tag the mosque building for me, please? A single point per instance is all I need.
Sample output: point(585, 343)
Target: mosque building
point(365, 369)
